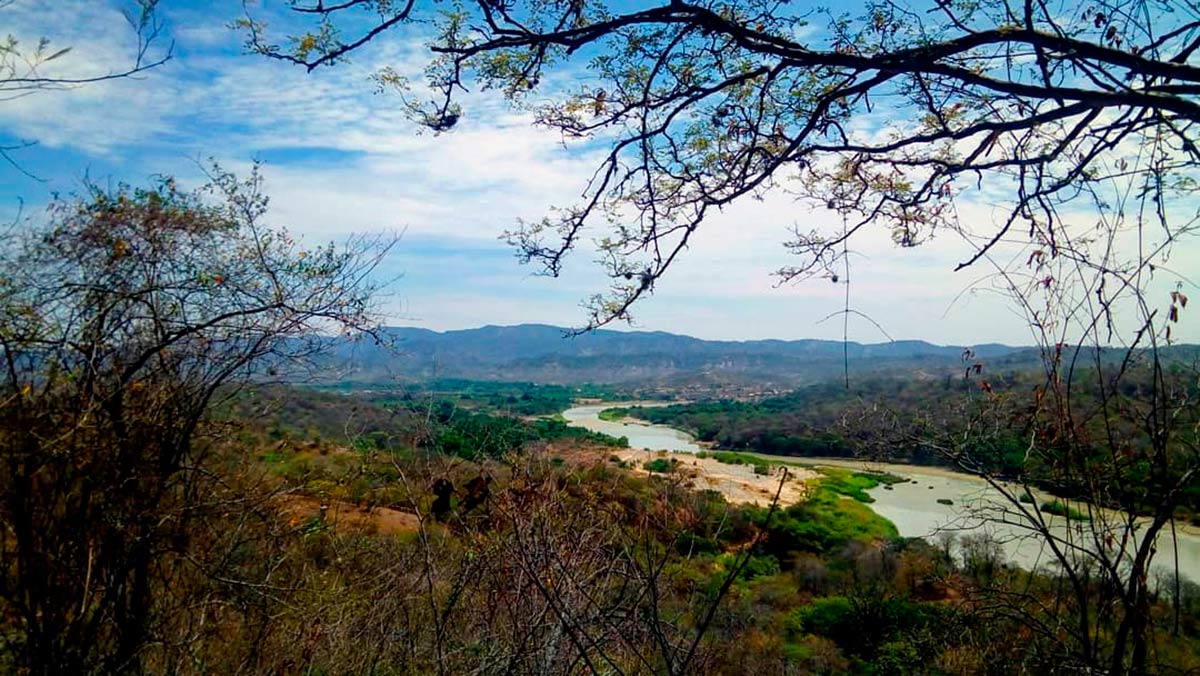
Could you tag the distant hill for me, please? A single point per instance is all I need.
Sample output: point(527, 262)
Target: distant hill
point(541, 353)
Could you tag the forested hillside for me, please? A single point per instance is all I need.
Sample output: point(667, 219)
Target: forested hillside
point(351, 535)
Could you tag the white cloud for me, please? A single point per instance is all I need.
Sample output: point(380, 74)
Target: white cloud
point(100, 116)
point(350, 162)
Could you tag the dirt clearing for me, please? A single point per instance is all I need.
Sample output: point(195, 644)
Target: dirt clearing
point(344, 517)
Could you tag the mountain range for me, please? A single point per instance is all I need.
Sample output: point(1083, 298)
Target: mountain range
point(548, 354)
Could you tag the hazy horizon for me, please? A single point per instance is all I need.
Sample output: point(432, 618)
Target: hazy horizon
point(625, 328)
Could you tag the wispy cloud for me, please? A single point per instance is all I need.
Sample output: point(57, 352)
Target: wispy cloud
point(342, 158)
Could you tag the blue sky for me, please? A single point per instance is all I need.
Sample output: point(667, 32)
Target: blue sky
point(341, 158)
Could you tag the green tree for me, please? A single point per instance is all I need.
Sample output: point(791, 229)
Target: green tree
point(122, 318)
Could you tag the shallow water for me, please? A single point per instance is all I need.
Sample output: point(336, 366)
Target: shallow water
point(978, 508)
point(640, 435)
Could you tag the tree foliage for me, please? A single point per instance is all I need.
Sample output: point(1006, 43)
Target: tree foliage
point(125, 315)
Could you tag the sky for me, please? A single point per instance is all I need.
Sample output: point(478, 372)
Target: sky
point(341, 158)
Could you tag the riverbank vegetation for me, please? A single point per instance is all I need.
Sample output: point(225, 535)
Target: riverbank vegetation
point(611, 415)
point(907, 420)
point(1060, 508)
point(660, 465)
point(793, 586)
point(507, 398)
point(344, 524)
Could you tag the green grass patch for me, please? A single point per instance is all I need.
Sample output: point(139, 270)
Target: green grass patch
point(855, 484)
point(612, 414)
point(1059, 508)
point(823, 524)
point(660, 465)
point(834, 513)
point(731, 458)
point(849, 519)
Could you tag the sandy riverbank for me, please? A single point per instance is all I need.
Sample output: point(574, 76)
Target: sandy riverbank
point(736, 483)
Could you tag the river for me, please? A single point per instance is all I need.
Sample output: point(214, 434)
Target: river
point(913, 506)
point(979, 508)
point(641, 435)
